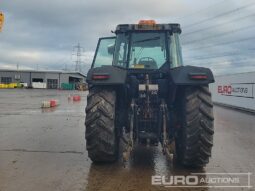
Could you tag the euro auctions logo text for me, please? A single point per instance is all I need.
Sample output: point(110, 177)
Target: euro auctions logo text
point(225, 90)
point(206, 180)
point(237, 90)
point(175, 180)
point(229, 90)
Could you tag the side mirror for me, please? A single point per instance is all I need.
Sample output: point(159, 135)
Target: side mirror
point(111, 48)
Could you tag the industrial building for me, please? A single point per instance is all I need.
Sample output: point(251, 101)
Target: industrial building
point(235, 90)
point(47, 79)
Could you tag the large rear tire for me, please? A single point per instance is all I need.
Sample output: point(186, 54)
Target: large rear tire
point(195, 137)
point(100, 125)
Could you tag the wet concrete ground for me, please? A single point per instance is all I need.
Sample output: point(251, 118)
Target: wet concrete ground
point(44, 150)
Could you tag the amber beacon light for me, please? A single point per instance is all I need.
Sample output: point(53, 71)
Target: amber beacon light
point(147, 22)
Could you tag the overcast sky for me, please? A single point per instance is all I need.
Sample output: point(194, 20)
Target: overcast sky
point(219, 34)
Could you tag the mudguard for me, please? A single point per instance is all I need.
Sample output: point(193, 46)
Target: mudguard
point(110, 75)
point(191, 75)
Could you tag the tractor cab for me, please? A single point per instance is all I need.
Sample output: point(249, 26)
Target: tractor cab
point(146, 45)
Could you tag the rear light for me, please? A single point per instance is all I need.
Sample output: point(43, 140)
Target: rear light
point(100, 76)
point(198, 76)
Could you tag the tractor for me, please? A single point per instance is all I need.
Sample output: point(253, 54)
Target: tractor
point(141, 93)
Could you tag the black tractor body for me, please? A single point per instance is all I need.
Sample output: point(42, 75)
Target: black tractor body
point(141, 93)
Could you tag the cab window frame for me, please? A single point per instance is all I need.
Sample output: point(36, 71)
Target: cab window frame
point(167, 47)
point(97, 48)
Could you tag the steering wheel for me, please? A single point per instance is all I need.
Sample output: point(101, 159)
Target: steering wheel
point(148, 62)
point(147, 59)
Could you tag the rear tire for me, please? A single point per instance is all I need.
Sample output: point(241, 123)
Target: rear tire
point(195, 137)
point(100, 125)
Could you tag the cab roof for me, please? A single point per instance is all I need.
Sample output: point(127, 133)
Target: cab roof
point(123, 28)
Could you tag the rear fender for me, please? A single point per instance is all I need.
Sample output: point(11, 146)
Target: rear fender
point(191, 75)
point(116, 76)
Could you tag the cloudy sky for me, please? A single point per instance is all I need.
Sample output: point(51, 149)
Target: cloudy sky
point(219, 34)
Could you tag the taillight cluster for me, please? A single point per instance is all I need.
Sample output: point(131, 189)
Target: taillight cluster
point(100, 76)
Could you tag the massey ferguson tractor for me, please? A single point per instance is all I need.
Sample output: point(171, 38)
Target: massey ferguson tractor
point(141, 93)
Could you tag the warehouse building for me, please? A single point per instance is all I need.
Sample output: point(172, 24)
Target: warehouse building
point(43, 79)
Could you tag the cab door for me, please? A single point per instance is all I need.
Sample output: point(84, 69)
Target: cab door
point(104, 52)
